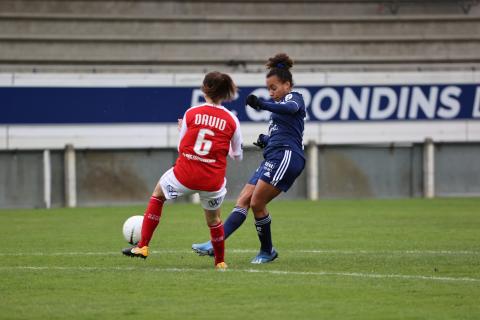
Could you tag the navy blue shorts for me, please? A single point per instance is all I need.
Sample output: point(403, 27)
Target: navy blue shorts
point(280, 169)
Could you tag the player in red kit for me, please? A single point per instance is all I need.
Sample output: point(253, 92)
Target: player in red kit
point(208, 133)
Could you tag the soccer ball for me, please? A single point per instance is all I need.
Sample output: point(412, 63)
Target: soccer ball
point(132, 229)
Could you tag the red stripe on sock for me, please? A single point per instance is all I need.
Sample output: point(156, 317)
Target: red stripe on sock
point(217, 236)
point(216, 226)
point(156, 199)
point(150, 220)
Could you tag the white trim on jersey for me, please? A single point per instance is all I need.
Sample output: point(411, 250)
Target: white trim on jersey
point(282, 168)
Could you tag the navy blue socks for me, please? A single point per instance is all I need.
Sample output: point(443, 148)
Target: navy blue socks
point(234, 220)
point(238, 216)
point(264, 235)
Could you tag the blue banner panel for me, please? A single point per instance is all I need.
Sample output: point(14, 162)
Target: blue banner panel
point(38, 105)
point(92, 105)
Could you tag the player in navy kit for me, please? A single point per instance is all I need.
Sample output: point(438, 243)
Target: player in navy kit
point(283, 158)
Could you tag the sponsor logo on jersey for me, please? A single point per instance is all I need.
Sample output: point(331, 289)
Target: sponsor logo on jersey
point(288, 97)
point(197, 158)
point(267, 174)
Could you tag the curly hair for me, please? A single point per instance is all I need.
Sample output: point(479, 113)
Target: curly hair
point(279, 66)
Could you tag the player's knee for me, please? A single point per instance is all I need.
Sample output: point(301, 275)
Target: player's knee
point(244, 201)
point(213, 221)
point(158, 192)
point(258, 207)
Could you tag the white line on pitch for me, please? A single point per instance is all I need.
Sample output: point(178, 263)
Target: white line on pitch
point(412, 252)
point(312, 251)
point(275, 272)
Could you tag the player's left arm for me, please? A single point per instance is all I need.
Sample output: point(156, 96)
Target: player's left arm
point(262, 141)
point(236, 143)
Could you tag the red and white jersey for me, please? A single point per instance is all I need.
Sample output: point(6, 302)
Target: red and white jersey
point(208, 134)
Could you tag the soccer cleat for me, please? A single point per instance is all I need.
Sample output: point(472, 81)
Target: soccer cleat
point(222, 266)
point(203, 249)
point(136, 252)
point(263, 257)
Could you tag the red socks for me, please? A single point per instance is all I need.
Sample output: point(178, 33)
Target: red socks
point(217, 236)
point(150, 220)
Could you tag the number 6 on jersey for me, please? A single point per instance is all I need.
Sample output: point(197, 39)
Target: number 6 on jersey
point(202, 146)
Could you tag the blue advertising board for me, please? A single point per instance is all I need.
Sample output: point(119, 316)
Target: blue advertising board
point(46, 105)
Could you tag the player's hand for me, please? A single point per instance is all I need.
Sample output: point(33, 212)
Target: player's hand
point(254, 102)
point(261, 141)
point(179, 124)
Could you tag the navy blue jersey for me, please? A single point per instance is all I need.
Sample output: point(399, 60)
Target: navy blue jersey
point(286, 125)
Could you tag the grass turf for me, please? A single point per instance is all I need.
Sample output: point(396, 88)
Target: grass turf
point(362, 259)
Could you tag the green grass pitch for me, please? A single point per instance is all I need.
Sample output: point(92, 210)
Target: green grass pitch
point(355, 259)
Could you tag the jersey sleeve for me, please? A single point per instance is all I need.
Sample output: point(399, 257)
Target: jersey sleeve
point(236, 143)
point(183, 130)
point(291, 105)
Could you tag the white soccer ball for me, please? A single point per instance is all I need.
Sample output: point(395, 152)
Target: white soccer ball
point(132, 229)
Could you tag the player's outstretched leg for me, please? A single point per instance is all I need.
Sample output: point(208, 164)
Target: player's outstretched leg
point(150, 223)
point(233, 222)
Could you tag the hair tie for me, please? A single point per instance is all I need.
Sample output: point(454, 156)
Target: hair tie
point(280, 65)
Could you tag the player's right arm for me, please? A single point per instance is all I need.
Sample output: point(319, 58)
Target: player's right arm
point(183, 129)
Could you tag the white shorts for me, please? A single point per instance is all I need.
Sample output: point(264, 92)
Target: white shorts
point(172, 189)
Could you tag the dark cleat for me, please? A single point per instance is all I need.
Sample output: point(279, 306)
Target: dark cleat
point(136, 252)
